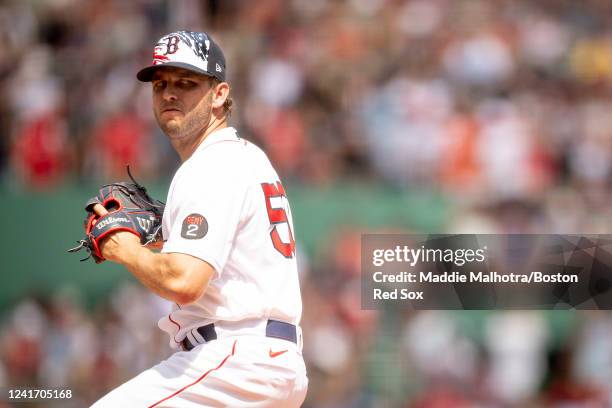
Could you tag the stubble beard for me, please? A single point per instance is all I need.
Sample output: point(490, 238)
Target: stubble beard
point(192, 125)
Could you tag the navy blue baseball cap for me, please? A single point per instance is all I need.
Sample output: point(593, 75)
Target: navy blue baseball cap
point(190, 50)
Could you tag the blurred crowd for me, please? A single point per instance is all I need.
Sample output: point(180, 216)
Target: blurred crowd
point(501, 106)
point(355, 358)
point(507, 98)
point(498, 105)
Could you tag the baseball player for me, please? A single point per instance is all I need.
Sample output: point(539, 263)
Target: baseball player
point(228, 258)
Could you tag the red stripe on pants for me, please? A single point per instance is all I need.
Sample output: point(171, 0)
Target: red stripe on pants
point(198, 380)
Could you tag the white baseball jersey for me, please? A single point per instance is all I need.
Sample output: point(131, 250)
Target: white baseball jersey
point(227, 206)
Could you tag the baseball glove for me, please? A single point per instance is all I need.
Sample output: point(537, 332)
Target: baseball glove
point(129, 208)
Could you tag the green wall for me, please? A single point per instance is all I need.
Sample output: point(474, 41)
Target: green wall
point(40, 227)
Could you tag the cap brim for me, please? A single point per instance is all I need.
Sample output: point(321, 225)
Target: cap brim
point(146, 74)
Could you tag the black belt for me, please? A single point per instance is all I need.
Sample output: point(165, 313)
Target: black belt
point(274, 328)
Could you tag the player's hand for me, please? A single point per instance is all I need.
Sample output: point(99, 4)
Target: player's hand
point(113, 246)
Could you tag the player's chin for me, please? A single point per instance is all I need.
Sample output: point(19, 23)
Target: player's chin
point(170, 127)
point(171, 122)
point(170, 119)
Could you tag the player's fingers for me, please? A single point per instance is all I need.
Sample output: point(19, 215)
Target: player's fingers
point(100, 210)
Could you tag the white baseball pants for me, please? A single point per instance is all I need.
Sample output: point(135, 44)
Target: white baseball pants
point(235, 371)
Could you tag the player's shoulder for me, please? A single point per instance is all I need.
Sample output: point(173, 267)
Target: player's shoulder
point(231, 155)
point(240, 152)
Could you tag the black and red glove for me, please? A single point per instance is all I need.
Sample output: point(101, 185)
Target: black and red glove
point(130, 208)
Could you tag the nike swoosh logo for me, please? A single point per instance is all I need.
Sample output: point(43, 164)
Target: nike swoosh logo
point(277, 353)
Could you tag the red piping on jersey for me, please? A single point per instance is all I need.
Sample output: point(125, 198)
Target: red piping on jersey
point(177, 325)
point(199, 379)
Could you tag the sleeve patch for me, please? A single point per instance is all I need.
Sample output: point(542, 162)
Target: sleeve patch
point(195, 226)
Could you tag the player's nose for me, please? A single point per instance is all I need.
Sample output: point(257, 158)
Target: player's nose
point(169, 94)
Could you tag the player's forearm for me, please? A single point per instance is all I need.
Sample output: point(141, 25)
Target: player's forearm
point(162, 273)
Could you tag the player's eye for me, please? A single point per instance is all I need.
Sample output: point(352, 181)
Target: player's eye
point(159, 85)
point(185, 83)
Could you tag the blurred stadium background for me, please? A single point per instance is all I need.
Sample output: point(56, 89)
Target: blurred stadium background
point(420, 115)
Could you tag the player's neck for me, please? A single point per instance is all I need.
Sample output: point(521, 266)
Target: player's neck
point(185, 151)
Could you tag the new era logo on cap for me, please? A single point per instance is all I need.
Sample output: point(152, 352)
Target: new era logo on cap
point(190, 50)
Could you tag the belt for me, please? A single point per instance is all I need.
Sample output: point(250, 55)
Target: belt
point(274, 328)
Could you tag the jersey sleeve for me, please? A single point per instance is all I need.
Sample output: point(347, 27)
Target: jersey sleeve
point(206, 214)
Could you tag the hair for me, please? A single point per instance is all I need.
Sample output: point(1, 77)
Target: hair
point(229, 102)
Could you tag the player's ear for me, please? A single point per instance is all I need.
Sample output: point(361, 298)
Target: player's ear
point(220, 92)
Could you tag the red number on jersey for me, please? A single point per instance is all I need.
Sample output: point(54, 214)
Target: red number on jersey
point(278, 216)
